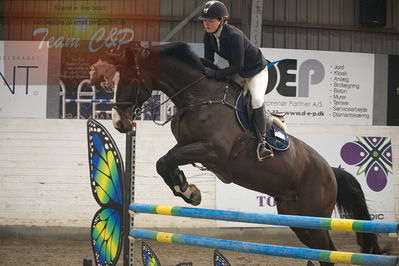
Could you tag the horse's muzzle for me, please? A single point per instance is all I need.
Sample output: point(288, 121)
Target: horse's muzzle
point(123, 122)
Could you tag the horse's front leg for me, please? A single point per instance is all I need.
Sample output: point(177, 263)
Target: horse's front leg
point(167, 167)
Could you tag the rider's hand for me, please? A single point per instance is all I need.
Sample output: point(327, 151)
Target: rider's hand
point(211, 73)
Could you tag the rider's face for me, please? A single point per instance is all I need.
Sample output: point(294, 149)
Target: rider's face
point(211, 25)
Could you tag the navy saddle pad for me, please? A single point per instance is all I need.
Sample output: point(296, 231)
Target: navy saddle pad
point(275, 137)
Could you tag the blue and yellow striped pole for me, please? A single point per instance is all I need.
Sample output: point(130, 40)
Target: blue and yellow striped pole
point(265, 249)
point(271, 219)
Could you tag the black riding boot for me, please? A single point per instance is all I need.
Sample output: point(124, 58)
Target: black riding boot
point(259, 116)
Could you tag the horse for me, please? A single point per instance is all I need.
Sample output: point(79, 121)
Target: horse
point(103, 69)
point(207, 132)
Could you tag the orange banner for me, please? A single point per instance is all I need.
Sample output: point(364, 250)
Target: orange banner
point(62, 24)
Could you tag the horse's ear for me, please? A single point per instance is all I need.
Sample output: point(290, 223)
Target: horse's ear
point(129, 54)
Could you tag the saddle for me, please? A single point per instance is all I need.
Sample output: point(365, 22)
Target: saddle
point(275, 136)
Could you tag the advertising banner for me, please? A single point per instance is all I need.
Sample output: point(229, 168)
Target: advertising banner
point(81, 31)
point(320, 87)
point(23, 79)
point(369, 159)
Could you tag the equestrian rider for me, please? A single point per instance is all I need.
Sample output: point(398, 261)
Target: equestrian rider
point(246, 63)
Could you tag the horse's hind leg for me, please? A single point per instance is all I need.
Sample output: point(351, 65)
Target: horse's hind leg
point(310, 206)
point(177, 182)
point(317, 239)
point(167, 167)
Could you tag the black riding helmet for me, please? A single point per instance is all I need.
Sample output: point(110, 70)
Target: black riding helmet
point(214, 10)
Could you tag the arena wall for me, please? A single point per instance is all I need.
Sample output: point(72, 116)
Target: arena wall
point(44, 178)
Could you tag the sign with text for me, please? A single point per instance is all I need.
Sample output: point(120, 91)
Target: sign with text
point(368, 159)
point(81, 31)
point(65, 24)
point(320, 87)
point(23, 79)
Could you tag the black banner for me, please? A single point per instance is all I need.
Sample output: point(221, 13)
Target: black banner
point(393, 91)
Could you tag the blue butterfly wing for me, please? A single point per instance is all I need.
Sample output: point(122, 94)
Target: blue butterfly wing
point(106, 236)
point(219, 259)
point(106, 166)
point(106, 176)
point(149, 257)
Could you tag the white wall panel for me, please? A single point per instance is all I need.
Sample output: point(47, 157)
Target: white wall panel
point(45, 176)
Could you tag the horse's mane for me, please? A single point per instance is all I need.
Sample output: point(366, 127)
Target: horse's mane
point(183, 52)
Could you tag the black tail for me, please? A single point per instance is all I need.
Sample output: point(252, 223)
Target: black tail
point(352, 205)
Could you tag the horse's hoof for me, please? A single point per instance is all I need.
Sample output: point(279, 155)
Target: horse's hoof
point(195, 196)
point(192, 195)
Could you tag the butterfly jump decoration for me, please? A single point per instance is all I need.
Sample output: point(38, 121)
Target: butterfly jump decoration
point(106, 179)
point(150, 259)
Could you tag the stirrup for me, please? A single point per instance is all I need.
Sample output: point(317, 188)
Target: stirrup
point(260, 159)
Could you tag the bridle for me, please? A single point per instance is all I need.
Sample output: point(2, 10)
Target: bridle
point(141, 84)
point(137, 80)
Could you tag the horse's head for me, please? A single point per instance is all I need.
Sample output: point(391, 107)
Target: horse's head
point(102, 73)
point(132, 88)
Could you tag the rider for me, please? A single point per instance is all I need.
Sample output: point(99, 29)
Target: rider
point(246, 62)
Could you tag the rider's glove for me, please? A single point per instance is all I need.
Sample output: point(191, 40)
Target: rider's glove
point(211, 73)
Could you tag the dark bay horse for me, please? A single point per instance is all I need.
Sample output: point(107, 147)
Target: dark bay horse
point(207, 132)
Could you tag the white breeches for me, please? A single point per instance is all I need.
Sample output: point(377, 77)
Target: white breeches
point(256, 85)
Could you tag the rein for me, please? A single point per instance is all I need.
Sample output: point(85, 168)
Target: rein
point(193, 105)
point(138, 111)
point(169, 99)
point(209, 102)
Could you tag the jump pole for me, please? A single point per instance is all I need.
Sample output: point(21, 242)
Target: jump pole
point(266, 249)
point(270, 219)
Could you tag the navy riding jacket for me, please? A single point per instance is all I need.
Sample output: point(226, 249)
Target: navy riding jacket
point(243, 56)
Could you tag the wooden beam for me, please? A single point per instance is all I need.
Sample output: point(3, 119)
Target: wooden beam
point(246, 9)
point(256, 22)
point(182, 23)
point(14, 17)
